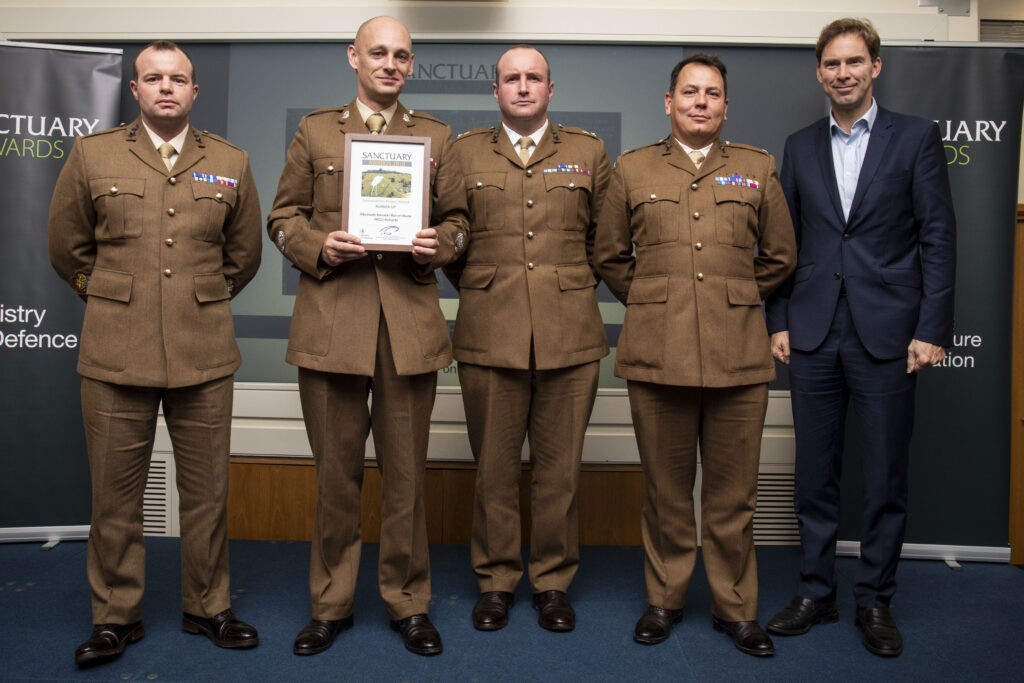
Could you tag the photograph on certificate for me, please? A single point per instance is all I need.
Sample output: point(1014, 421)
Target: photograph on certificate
point(387, 178)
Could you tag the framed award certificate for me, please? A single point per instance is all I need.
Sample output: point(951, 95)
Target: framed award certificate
point(386, 191)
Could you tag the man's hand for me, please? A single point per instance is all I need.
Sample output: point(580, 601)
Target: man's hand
point(922, 354)
point(341, 247)
point(424, 246)
point(780, 346)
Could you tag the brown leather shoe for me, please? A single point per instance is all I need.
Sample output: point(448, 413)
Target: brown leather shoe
point(224, 629)
point(419, 634)
point(747, 636)
point(881, 636)
point(319, 635)
point(801, 614)
point(490, 612)
point(656, 624)
point(556, 614)
point(107, 642)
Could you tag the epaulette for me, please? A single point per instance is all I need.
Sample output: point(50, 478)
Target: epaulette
point(659, 143)
point(217, 138)
point(424, 115)
point(576, 130)
point(475, 131)
point(326, 110)
point(116, 129)
point(739, 145)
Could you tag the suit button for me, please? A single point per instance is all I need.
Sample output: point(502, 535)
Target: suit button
point(167, 272)
point(846, 236)
point(529, 172)
point(172, 180)
point(219, 196)
point(572, 185)
point(530, 266)
point(654, 196)
point(330, 168)
point(700, 276)
point(380, 256)
point(696, 215)
point(170, 212)
point(693, 187)
point(699, 246)
point(169, 242)
point(529, 203)
point(479, 184)
point(836, 276)
point(113, 190)
point(529, 235)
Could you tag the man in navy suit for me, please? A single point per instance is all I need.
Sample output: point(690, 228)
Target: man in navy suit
point(869, 305)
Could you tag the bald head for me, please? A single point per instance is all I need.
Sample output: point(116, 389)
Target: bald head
point(381, 55)
point(516, 48)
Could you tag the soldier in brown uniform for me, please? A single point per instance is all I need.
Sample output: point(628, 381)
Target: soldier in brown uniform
point(365, 321)
point(529, 335)
point(156, 226)
point(694, 347)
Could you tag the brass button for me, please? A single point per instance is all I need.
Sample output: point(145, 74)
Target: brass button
point(700, 276)
point(330, 168)
point(529, 203)
point(572, 185)
point(113, 190)
point(479, 184)
point(169, 242)
point(529, 171)
point(696, 215)
point(693, 187)
point(530, 266)
point(167, 272)
point(170, 212)
point(219, 196)
point(172, 180)
point(653, 196)
point(529, 235)
point(699, 246)
point(380, 257)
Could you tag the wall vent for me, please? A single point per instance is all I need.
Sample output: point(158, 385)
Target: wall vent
point(774, 519)
point(160, 500)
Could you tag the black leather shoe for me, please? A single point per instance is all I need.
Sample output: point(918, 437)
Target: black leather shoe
point(801, 614)
point(491, 610)
point(107, 642)
point(319, 635)
point(556, 614)
point(224, 629)
point(747, 636)
point(655, 625)
point(880, 633)
point(419, 634)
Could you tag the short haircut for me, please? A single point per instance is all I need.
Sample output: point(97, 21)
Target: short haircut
point(523, 46)
point(858, 27)
point(699, 58)
point(163, 46)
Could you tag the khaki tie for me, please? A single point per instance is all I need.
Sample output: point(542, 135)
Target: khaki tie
point(697, 157)
point(524, 149)
point(375, 123)
point(166, 151)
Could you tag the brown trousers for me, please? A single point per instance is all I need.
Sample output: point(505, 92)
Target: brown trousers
point(670, 421)
point(120, 424)
point(338, 421)
point(502, 407)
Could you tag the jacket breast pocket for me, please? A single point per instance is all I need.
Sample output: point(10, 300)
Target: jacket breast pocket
point(485, 193)
point(736, 212)
point(655, 214)
point(328, 176)
point(119, 206)
point(213, 204)
point(568, 200)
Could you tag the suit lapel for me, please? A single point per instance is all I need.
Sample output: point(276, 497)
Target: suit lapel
point(877, 144)
point(401, 122)
point(675, 156)
point(823, 150)
point(545, 147)
point(503, 146)
point(142, 147)
point(192, 152)
point(712, 162)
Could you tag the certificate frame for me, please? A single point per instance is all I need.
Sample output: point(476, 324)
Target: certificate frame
point(386, 189)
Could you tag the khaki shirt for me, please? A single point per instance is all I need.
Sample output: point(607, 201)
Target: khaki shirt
point(693, 288)
point(337, 310)
point(527, 280)
point(157, 254)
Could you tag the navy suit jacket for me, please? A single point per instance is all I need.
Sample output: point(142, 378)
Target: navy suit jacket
point(896, 253)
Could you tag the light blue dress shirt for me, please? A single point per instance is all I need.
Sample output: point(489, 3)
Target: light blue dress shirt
point(848, 150)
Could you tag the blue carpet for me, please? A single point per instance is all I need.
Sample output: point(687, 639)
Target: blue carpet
point(956, 625)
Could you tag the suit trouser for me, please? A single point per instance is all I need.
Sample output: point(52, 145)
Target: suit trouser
point(338, 421)
point(502, 407)
point(880, 393)
point(120, 424)
point(727, 422)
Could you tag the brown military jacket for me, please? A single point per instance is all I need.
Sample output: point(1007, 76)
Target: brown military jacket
point(157, 254)
point(694, 287)
point(527, 274)
point(337, 310)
